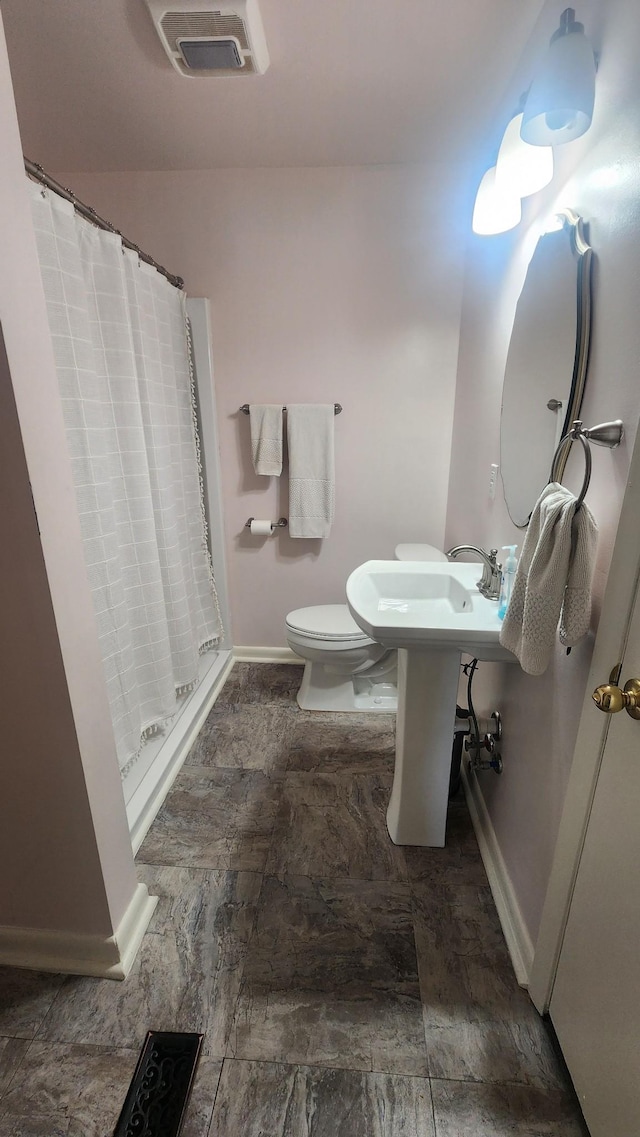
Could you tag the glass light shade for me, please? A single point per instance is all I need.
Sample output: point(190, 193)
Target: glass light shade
point(559, 106)
point(522, 169)
point(495, 211)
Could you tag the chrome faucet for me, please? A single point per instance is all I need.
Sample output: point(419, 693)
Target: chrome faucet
point(489, 584)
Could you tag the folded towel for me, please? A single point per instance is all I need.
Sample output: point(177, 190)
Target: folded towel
point(558, 548)
point(266, 438)
point(310, 431)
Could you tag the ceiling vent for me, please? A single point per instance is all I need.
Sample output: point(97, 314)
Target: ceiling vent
point(202, 40)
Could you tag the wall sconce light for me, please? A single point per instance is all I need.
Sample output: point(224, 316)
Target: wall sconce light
point(522, 169)
point(559, 105)
point(495, 210)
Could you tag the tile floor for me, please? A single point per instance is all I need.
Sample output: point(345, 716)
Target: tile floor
point(346, 987)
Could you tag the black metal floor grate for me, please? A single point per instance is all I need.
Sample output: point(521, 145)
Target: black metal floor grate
point(157, 1097)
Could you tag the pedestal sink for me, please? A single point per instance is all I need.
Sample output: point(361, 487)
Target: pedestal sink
point(431, 612)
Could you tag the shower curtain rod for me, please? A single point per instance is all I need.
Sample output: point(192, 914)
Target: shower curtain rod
point(35, 171)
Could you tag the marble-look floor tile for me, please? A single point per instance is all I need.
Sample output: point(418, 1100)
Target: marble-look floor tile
point(230, 692)
point(465, 1110)
point(214, 818)
point(256, 1099)
point(25, 998)
point(331, 978)
point(333, 826)
point(276, 683)
point(479, 1024)
point(495, 1051)
point(12, 1052)
point(342, 743)
point(78, 1091)
point(460, 832)
point(244, 736)
point(187, 973)
point(460, 851)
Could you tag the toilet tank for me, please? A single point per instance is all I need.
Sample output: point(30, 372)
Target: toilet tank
point(419, 553)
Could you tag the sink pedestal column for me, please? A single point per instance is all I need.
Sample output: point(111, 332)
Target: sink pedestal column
point(427, 696)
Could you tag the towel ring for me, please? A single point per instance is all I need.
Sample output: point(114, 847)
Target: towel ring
point(567, 440)
point(605, 434)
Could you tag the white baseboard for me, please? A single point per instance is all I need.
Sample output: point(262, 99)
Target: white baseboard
point(266, 655)
point(108, 957)
point(143, 806)
point(514, 928)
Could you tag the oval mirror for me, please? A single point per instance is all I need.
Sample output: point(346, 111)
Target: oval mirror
point(546, 364)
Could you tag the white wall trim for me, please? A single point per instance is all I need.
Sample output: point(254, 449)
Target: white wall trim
point(266, 655)
point(109, 957)
point(515, 930)
point(143, 806)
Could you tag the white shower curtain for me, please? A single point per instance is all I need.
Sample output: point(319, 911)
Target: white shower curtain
point(120, 342)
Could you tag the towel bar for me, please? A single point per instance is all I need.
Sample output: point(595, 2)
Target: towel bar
point(337, 408)
point(604, 434)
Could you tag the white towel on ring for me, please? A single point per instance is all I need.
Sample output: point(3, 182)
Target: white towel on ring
point(575, 618)
point(553, 576)
point(266, 438)
point(310, 438)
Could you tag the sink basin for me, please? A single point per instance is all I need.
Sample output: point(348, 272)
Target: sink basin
point(432, 612)
point(429, 603)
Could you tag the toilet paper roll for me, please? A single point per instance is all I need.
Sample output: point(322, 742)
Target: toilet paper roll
point(261, 528)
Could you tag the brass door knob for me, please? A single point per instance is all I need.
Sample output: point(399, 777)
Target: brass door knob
point(612, 699)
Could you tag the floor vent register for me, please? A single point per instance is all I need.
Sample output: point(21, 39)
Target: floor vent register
point(157, 1098)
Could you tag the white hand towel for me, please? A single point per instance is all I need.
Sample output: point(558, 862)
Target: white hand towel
point(575, 618)
point(266, 438)
point(530, 624)
point(310, 429)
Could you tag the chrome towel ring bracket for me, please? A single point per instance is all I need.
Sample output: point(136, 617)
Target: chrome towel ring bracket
point(604, 434)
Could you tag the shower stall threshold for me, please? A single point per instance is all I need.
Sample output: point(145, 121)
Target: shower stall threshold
point(150, 778)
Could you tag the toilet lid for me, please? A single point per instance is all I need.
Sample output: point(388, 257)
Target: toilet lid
point(326, 621)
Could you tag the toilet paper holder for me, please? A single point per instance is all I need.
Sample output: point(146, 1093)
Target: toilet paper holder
point(281, 523)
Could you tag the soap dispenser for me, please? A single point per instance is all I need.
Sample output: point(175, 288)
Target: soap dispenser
point(508, 577)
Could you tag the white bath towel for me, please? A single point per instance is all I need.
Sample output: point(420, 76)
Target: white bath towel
point(575, 618)
point(558, 554)
point(266, 438)
point(310, 429)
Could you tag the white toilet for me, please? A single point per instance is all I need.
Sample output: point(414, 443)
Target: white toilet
point(345, 670)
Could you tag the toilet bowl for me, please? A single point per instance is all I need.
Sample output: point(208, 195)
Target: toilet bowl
point(344, 669)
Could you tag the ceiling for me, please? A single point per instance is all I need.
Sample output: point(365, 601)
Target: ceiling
point(351, 82)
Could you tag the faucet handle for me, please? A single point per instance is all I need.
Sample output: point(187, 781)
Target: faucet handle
point(489, 584)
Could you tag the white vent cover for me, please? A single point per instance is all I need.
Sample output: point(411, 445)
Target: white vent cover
point(211, 39)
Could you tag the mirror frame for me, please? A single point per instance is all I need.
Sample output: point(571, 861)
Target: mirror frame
point(574, 226)
point(583, 252)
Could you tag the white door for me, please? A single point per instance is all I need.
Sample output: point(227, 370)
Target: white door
point(595, 1003)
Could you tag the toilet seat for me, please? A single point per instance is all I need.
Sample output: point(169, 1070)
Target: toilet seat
point(327, 623)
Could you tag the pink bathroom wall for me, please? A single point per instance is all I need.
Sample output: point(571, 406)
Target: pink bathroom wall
point(326, 285)
point(65, 856)
point(599, 177)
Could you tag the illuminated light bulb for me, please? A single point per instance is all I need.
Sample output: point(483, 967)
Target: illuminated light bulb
point(554, 224)
point(522, 169)
point(495, 211)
